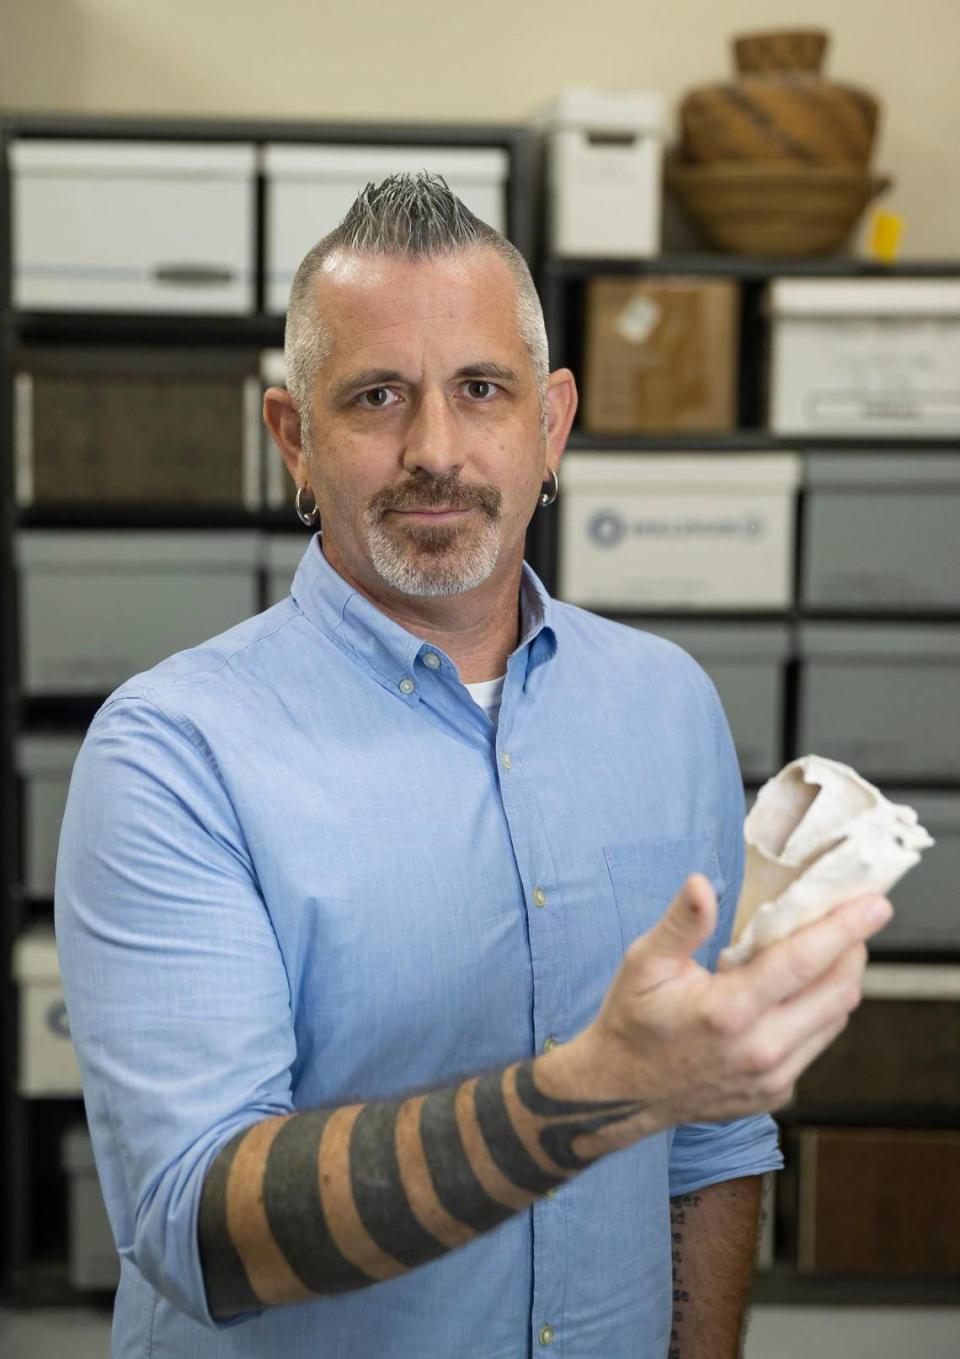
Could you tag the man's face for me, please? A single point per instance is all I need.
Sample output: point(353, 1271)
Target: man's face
point(426, 452)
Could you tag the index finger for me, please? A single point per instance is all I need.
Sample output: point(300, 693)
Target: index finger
point(783, 969)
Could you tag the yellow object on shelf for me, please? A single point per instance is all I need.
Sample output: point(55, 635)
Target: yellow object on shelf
point(886, 230)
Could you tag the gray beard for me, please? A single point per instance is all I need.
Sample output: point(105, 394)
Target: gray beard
point(437, 564)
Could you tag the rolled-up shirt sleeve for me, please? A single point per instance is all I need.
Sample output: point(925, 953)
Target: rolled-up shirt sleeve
point(706, 1153)
point(177, 996)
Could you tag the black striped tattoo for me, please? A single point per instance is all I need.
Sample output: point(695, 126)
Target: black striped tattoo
point(299, 1252)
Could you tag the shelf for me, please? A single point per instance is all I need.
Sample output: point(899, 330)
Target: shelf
point(120, 127)
point(936, 1117)
point(784, 1285)
point(89, 518)
point(749, 267)
point(756, 441)
point(150, 328)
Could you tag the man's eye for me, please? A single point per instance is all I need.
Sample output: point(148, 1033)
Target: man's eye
point(376, 398)
point(481, 390)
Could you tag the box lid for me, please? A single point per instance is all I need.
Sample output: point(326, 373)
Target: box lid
point(581, 108)
point(864, 297)
point(47, 754)
point(911, 981)
point(721, 641)
point(853, 641)
point(866, 471)
point(273, 368)
point(612, 473)
point(481, 164)
point(34, 956)
point(133, 159)
point(52, 550)
point(76, 1149)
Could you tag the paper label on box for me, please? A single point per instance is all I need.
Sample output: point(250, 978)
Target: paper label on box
point(637, 321)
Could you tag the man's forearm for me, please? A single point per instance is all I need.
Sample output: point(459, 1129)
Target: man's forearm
point(714, 1239)
point(332, 1200)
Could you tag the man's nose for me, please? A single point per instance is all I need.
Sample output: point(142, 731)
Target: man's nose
point(433, 442)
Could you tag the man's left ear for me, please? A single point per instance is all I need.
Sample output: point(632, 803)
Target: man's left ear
point(561, 401)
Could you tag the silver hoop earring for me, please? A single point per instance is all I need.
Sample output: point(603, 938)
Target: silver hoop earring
point(312, 518)
point(548, 497)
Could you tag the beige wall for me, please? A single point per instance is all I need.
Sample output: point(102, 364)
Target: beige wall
point(422, 60)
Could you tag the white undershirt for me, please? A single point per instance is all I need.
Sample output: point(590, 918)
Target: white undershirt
point(487, 694)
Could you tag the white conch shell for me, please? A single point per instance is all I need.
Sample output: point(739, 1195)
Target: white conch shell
point(818, 834)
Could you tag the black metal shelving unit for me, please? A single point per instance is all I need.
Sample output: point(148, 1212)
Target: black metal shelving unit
point(33, 1266)
point(562, 285)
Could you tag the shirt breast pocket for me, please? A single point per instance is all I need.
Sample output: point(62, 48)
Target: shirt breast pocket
point(647, 874)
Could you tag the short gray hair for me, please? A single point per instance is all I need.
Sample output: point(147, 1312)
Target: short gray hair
point(410, 217)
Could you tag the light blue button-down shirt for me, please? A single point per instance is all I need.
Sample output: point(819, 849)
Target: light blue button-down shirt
point(300, 866)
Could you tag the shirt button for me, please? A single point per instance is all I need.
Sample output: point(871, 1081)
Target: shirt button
point(539, 896)
point(431, 660)
point(549, 1043)
point(407, 686)
point(506, 760)
point(550, 1194)
point(546, 1335)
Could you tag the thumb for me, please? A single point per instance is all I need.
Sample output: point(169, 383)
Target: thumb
point(688, 922)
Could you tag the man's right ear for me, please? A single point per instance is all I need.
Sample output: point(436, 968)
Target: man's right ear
point(282, 419)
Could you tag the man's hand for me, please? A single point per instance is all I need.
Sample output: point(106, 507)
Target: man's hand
point(701, 1047)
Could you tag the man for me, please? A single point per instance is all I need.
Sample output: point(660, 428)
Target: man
point(390, 1042)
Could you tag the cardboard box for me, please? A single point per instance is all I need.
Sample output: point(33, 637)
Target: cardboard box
point(675, 531)
point(47, 1062)
point(133, 226)
point(862, 356)
point(661, 356)
point(309, 190)
point(604, 173)
point(879, 1202)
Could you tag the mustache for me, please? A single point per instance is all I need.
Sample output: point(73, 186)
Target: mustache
point(449, 493)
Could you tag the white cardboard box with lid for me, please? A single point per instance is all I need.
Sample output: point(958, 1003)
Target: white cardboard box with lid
point(133, 225)
point(47, 1064)
point(678, 531)
point(310, 189)
point(604, 177)
point(857, 356)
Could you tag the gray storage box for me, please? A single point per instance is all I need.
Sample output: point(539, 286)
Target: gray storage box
point(881, 532)
point(44, 764)
point(94, 1262)
point(747, 666)
point(283, 554)
point(927, 900)
point(97, 608)
point(883, 699)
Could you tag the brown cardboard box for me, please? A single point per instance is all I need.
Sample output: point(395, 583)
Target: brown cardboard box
point(162, 426)
point(876, 1201)
point(661, 356)
point(892, 1052)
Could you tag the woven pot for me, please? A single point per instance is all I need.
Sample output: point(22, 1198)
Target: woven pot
point(773, 207)
point(793, 115)
point(785, 49)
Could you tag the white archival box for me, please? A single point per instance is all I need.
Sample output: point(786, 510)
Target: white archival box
point(604, 173)
point(859, 356)
point(133, 226)
point(678, 531)
point(47, 1064)
point(310, 188)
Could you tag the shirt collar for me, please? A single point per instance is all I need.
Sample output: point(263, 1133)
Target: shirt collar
point(358, 627)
